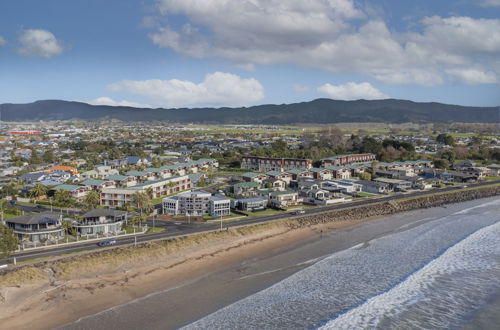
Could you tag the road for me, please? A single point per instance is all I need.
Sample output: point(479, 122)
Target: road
point(182, 228)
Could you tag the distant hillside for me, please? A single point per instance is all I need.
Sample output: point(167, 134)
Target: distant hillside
point(317, 111)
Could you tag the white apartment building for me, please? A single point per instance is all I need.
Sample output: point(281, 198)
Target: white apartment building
point(162, 187)
point(197, 203)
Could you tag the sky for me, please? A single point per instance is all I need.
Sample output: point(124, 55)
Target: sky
point(194, 53)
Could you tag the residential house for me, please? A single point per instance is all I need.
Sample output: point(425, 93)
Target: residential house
point(37, 227)
point(250, 204)
point(374, 187)
point(76, 192)
point(101, 221)
point(245, 189)
point(284, 176)
point(253, 177)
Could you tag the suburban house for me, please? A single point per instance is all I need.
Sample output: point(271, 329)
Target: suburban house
point(374, 187)
point(101, 221)
point(263, 164)
point(395, 184)
point(253, 177)
point(321, 173)
point(279, 198)
point(76, 192)
point(494, 169)
point(284, 176)
point(250, 204)
point(197, 203)
point(70, 169)
point(347, 159)
point(339, 172)
point(37, 227)
point(245, 189)
point(297, 174)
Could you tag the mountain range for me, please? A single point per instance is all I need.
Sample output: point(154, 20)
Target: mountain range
point(316, 111)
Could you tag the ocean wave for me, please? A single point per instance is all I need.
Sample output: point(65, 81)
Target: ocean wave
point(478, 253)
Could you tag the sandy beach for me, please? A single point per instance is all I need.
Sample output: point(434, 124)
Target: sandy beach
point(193, 282)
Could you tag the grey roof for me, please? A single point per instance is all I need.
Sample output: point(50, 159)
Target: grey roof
point(33, 219)
point(103, 213)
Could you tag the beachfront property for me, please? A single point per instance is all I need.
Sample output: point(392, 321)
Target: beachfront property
point(264, 164)
point(250, 204)
point(395, 184)
point(101, 221)
point(281, 199)
point(37, 227)
point(123, 196)
point(348, 159)
point(197, 203)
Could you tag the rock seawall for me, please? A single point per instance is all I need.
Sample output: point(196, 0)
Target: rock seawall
point(392, 207)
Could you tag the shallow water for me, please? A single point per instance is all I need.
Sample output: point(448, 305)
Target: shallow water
point(441, 274)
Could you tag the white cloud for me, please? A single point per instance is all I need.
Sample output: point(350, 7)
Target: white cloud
point(300, 88)
point(352, 91)
point(40, 43)
point(2, 41)
point(335, 35)
point(104, 100)
point(490, 3)
point(474, 76)
point(217, 89)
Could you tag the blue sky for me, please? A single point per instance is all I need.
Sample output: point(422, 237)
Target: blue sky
point(176, 53)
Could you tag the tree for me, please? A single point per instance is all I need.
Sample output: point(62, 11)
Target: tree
point(141, 201)
point(8, 241)
point(38, 191)
point(91, 199)
point(365, 176)
point(3, 206)
point(62, 196)
point(445, 139)
point(441, 163)
point(69, 228)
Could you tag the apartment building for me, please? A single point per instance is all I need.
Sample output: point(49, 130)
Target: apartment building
point(159, 188)
point(264, 164)
point(347, 159)
point(197, 203)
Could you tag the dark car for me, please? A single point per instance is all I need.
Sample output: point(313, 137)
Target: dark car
point(107, 242)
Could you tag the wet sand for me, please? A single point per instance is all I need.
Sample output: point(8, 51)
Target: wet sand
point(209, 285)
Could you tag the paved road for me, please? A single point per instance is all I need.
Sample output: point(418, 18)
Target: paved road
point(182, 228)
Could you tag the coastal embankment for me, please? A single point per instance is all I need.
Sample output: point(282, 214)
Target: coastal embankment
point(54, 292)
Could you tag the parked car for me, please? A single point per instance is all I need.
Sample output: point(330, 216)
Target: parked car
point(299, 212)
point(107, 242)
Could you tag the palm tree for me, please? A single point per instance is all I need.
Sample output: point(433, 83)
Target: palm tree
point(91, 199)
point(149, 192)
point(62, 196)
point(38, 191)
point(3, 206)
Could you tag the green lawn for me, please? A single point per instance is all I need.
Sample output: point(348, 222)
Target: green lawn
point(155, 230)
point(364, 194)
point(266, 212)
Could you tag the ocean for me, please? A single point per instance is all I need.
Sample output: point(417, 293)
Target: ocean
point(427, 269)
point(442, 274)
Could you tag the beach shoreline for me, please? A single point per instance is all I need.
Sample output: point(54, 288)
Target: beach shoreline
point(252, 261)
